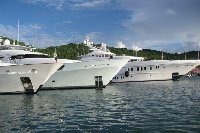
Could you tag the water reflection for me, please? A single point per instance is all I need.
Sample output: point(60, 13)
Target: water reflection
point(131, 107)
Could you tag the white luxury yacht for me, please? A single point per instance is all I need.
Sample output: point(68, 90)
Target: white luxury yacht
point(92, 74)
point(15, 79)
point(74, 73)
point(139, 70)
point(23, 71)
point(85, 74)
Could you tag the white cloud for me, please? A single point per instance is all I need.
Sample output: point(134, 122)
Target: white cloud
point(56, 4)
point(65, 4)
point(163, 23)
point(90, 3)
point(170, 12)
point(136, 48)
point(120, 45)
point(42, 38)
point(8, 30)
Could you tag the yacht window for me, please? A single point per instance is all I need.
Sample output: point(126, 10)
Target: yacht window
point(35, 56)
point(133, 60)
point(145, 68)
point(150, 67)
point(128, 69)
point(131, 69)
point(28, 56)
point(138, 68)
point(17, 57)
point(106, 55)
point(92, 55)
point(141, 68)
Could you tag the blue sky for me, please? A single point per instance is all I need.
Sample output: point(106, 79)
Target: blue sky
point(169, 25)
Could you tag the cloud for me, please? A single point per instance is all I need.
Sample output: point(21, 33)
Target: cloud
point(8, 30)
point(90, 3)
point(163, 22)
point(65, 4)
point(120, 45)
point(41, 39)
point(170, 12)
point(158, 24)
point(56, 4)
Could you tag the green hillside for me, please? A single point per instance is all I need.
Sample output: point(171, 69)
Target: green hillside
point(73, 50)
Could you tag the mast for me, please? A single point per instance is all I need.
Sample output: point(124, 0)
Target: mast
point(55, 55)
point(198, 49)
point(185, 56)
point(18, 32)
point(162, 55)
point(34, 35)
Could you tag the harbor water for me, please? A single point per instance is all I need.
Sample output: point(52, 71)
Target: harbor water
point(158, 106)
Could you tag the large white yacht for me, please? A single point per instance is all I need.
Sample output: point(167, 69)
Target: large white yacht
point(92, 74)
point(74, 73)
point(23, 71)
point(155, 70)
point(137, 69)
point(85, 74)
point(15, 79)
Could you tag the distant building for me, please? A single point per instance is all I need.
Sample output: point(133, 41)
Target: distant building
point(6, 42)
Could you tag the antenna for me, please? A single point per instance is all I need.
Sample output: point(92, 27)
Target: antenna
point(185, 56)
point(18, 32)
point(34, 35)
point(13, 40)
point(55, 55)
point(198, 49)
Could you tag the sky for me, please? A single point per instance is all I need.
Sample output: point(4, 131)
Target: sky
point(164, 25)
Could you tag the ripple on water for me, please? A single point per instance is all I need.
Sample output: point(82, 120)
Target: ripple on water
point(164, 106)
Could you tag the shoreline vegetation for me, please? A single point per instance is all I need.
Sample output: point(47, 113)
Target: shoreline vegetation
point(73, 50)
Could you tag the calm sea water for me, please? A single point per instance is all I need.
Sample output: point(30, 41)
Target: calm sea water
point(163, 106)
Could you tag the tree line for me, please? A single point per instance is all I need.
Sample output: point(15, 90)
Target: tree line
point(74, 50)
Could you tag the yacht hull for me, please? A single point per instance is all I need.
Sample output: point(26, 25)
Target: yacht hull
point(140, 71)
point(19, 79)
point(85, 74)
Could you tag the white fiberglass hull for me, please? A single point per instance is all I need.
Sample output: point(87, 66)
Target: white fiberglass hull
point(82, 74)
point(160, 70)
point(11, 77)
